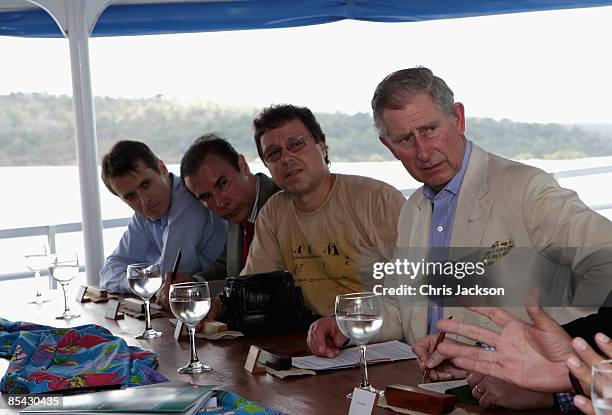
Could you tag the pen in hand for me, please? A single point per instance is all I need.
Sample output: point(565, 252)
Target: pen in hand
point(439, 340)
point(177, 262)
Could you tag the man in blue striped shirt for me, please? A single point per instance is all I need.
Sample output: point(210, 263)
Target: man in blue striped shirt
point(166, 217)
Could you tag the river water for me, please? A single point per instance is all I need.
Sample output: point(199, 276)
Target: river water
point(47, 195)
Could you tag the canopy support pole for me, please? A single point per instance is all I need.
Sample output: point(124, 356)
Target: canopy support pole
point(76, 19)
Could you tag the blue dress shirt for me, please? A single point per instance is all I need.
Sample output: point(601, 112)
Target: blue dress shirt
point(444, 205)
point(188, 225)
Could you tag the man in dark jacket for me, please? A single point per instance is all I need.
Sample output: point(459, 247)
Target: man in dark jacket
point(217, 175)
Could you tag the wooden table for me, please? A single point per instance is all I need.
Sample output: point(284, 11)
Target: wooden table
point(320, 394)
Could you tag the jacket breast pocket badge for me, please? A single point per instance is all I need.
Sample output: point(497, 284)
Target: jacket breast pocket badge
point(498, 250)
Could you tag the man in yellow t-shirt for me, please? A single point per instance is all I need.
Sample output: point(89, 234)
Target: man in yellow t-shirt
point(326, 229)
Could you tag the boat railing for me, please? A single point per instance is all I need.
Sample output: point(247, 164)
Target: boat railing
point(589, 171)
point(50, 231)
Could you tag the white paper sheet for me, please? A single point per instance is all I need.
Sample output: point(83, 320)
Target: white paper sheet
point(440, 387)
point(376, 353)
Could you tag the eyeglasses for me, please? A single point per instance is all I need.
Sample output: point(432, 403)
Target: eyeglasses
point(293, 145)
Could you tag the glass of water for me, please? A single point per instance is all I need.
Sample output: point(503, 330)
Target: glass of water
point(601, 387)
point(36, 262)
point(145, 280)
point(360, 317)
point(190, 302)
point(63, 269)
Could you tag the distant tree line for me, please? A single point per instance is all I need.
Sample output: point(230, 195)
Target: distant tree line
point(38, 129)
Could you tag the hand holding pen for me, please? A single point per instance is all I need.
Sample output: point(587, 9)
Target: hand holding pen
point(435, 365)
point(439, 340)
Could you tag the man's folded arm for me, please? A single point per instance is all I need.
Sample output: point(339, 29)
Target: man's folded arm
point(215, 271)
point(574, 235)
point(214, 238)
point(134, 247)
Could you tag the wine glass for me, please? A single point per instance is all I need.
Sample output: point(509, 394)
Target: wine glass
point(360, 317)
point(190, 302)
point(63, 269)
point(145, 280)
point(601, 387)
point(35, 263)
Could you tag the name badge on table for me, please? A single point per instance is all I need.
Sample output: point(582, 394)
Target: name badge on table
point(112, 310)
point(252, 362)
point(80, 298)
point(363, 402)
point(180, 330)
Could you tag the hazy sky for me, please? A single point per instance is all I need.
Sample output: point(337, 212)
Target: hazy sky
point(542, 67)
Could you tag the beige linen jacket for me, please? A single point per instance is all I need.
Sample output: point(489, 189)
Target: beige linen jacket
point(502, 200)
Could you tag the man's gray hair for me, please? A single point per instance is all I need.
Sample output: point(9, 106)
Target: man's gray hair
point(398, 88)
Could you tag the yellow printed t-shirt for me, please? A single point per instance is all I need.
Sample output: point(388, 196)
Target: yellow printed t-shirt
point(331, 250)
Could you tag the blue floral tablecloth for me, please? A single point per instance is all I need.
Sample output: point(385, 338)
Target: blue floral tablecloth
point(239, 406)
point(48, 359)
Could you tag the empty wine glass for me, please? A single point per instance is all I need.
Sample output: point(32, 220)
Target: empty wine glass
point(601, 387)
point(190, 302)
point(63, 269)
point(360, 317)
point(145, 280)
point(37, 262)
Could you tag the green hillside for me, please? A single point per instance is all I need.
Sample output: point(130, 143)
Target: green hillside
point(37, 129)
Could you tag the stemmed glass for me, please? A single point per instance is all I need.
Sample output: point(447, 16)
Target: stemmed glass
point(360, 317)
point(190, 302)
point(63, 270)
point(601, 387)
point(145, 280)
point(36, 263)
